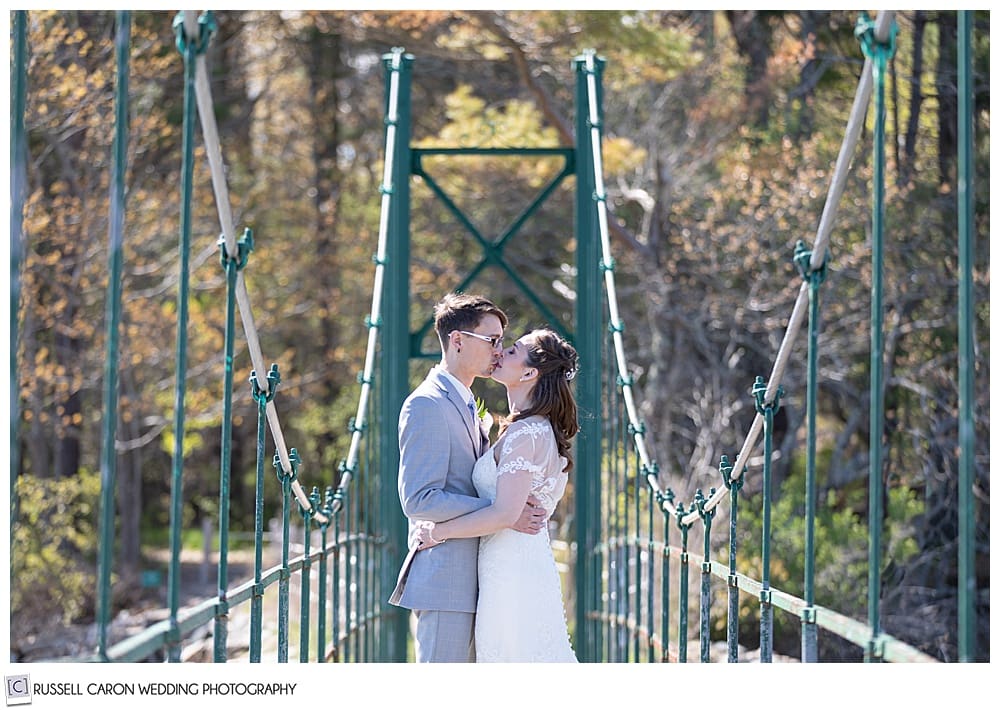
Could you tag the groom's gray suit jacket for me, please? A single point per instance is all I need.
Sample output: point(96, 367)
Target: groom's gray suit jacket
point(438, 446)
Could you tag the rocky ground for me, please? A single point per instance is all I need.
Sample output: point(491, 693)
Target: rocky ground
point(148, 605)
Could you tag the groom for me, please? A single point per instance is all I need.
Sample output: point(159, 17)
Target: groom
point(440, 438)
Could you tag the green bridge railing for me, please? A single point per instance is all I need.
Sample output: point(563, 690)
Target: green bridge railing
point(632, 572)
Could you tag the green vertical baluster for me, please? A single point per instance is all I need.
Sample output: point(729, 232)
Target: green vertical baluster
point(705, 606)
point(363, 588)
point(375, 526)
point(116, 228)
point(810, 640)
point(614, 421)
point(305, 592)
point(362, 557)
point(733, 618)
point(605, 592)
point(366, 570)
point(639, 485)
point(626, 544)
point(338, 500)
point(877, 400)
point(369, 579)
point(616, 424)
point(879, 53)
point(682, 595)
point(357, 549)
point(376, 546)
point(388, 493)
point(650, 570)
point(605, 603)
point(665, 630)
point(189, 49)
point(324, 526)
point(619, 554)
point(966, 348)
point(262, 397)
point(350, 551)
point(616, 639)
point(18, 181)
point(348, 565)
point(617, 642)
point(286, 478)
point(766, 609)
point(384, 567)
point(355, 563)
point(232, 265)
point(378, 543)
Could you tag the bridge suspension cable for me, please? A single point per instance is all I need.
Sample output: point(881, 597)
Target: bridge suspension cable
point(195, 30)
point(375, 316)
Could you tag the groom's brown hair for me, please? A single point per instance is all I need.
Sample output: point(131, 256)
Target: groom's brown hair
point(462, 311)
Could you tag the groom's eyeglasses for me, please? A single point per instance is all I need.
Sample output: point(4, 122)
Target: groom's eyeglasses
point(493, 340)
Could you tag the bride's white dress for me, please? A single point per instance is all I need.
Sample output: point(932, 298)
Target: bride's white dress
point(520, 616)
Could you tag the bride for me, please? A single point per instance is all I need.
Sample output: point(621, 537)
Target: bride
point(520, 615)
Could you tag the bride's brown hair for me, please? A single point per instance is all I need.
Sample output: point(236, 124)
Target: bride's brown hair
point(557, 364)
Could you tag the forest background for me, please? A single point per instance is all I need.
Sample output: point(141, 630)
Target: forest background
point(721, 131)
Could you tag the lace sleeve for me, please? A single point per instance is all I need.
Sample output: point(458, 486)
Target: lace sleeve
point(529, 446)
point(523, 448)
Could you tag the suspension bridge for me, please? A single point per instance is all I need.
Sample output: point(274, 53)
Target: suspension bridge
point(639, 592)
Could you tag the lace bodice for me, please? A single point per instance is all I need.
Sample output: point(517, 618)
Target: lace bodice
point(528, 446)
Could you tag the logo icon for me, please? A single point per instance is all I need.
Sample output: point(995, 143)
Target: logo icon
point(18, 689)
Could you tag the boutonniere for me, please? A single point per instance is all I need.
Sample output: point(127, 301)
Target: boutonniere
point(485, 418)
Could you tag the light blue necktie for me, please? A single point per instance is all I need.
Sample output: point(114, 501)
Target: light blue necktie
point(476, 436)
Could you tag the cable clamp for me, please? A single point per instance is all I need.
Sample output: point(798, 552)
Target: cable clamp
point(206, 28)
point(244, 245)
point(294, 460)
point(260, 395)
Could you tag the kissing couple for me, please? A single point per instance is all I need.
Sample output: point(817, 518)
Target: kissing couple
point(480, 577)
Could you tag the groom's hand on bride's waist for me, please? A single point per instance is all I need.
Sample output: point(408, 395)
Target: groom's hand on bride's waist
point(533, 518)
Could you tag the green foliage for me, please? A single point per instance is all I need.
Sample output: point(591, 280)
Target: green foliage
point(53, 560)
point(326, 436)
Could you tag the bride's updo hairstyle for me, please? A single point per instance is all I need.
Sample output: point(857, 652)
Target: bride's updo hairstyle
point(557, 365)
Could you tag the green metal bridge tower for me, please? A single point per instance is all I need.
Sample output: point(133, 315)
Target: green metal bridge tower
point(400, 345)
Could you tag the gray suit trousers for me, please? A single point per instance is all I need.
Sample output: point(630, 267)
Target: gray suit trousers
point(445, 636)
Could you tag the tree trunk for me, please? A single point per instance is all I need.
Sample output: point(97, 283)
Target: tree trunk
point(916, 100)
point(129, 485)
point(752, 34)
point(324, 65)
point(230, 98)
point(812, 69)
point(947, 88)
